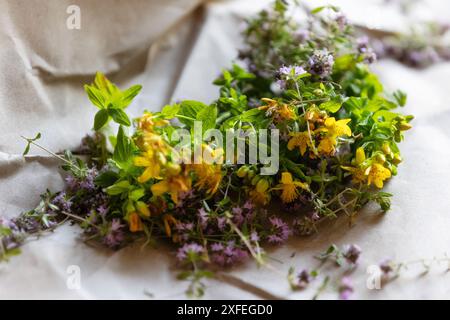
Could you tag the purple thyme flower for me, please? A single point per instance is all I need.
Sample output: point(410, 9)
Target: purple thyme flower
point(13, 236)
point(386, 266)
point(217, 247)
point(302, 35)
point(203, 217)
point(227, 255)
point(189, 250)
point(248, 205)
point(341, 20)
point(303, 279)
point(352, 253)
point(61, 202)
point(345, 288)
point(321, 63)
point(254, 236)
point(291, 71)
point(280, 231)
point(238, 218)
point(115, 235)
point(221, 223)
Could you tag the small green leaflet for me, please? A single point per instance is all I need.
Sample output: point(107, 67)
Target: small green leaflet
point(331, 106)
point(123, 150)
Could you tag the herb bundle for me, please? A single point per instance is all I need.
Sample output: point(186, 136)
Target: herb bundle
point(310, 82)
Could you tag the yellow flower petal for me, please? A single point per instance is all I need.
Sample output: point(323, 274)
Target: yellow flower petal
point(360, 156)
point(160, 188)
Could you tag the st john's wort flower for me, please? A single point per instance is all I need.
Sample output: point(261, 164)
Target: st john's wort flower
point(321, 63)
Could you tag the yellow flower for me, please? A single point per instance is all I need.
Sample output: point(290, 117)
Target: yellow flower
point(301, 140)
point(332, 129)
point(172, 185)
point(338, 128)
point(148, 121)
point(289, 187)
point(209, 176)
point(374, 173)
point(168, 220)
point(259, 198)
point(135, 222)
point(327, 146)
point(358, 172)
point(152, 164)
point(285, 112)
point(277, 111)
point(377, 173)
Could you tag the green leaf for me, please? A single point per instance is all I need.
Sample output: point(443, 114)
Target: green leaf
point(170, 111)
point(118, 188)
point(129, 94)
point(318, 9)
point(400, 97)
point(123, 150)
point(96, 96)
point(208, 116)
point(250, 115)
point(136, 194)
point(119, 116)
point(29, 141)
point(101, 118)
point(106, 179)
point(189, 110)
point(104, 85)
point(331, 106)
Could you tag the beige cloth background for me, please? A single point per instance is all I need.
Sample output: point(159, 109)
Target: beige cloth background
point(175, 48)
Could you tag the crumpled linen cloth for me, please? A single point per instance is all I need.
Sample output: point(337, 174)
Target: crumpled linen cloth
point(175, 48)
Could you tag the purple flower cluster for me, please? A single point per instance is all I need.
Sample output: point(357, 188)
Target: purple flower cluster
point(352, 253)
point(279, 231)
point(367, 52)
point(115, 235)
point(11, 236)
point(86, 183)
point(228, 254)
point(61, 201)
point(321, 63)
point(286, 73)
point(189, 251)
point(345, 288)
point(303, 279)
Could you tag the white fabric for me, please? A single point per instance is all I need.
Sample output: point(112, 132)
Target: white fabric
point(175, 48)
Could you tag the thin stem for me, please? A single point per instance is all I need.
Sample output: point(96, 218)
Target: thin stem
point(307, 121)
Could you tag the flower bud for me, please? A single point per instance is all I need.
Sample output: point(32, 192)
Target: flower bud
point(173, 169)
point(397, 159)
point(251, 174)
point(242, 172)
point(143, 208)
point(262, 185)
point(381, 158)
point(386, 148)
point(404, 126)
point(318, 92)
point(255, 180)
